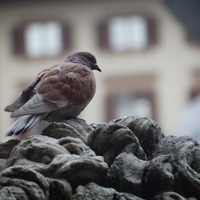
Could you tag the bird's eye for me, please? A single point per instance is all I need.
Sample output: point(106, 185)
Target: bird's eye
point(92, 59)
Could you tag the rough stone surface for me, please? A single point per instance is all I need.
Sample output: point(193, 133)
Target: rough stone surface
point(93, 191)
point(169, 196)
point(128, 158)
point(124, 180)
point(145, 129)
point(76, 128)
point(5, 149)
point(109, 140)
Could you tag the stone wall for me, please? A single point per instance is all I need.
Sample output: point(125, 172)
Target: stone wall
point(126, 159)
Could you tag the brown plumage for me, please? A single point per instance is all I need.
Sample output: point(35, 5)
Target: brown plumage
point(59, 92)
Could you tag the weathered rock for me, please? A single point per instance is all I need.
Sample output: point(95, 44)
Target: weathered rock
point(125, 174)
point(67, 158)
point(169, 196)
point(186, 153)
point(12, 193)
point(93, 191)
point(20, 182)
point(77, 169)
point(3, 164)
point(183, 147)
point(158, 176)
point(173, 168)
point(18, 178)
point(95, 126)
point(146, 130)
point(35, 152)
point(109, 140)
point(59, 189)
point(76, 128)
point(192, 198)
point(72, 157)
point(5, 149)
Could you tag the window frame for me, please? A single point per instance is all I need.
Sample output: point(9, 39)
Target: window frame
point(103, 36)
point(133, 84)
point(18, 37)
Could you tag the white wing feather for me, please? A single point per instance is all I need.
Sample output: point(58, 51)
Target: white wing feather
point(36, 105)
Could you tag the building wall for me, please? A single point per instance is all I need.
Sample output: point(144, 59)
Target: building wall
point(172, 60)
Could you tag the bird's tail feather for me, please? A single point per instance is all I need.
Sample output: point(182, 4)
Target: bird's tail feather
point(22, 125)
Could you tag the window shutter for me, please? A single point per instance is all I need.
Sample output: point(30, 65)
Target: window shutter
point(109, 106)
point(18, 40)
point(152, 31)
point(67, 39)
point(103, 34)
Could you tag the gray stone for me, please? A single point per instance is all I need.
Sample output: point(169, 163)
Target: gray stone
point(13, 193)
point(146, 130)
point(125, 174)
point(76, 128)
point(93, 191)
point(159, 176)
point(77, 169)
point(59, 189)
point(17, 178)
point(6, 148)
point(175, 168)
point(109, 140)
point(127, 158)
point(169, 196)
point(36, 152)
point(68, 158)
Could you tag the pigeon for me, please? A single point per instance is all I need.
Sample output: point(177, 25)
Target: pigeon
point(58, 93)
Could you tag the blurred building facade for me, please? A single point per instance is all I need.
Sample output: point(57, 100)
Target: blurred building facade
point(150, 65)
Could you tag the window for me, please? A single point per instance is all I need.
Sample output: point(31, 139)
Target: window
point(41, 39)
point(130, 96)
point(127, 33)
point(132, 103)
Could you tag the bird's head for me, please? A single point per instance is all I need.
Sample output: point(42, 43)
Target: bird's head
point(85, 58)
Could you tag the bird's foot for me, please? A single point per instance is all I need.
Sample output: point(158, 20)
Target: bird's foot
point(79, 119)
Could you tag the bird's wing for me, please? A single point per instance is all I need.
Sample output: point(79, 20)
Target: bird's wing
point(46, 97)
point(27, 92)
point(24, 97)
point(36, 105)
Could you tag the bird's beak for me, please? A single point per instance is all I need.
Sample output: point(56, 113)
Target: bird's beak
point(96, 67)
